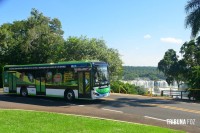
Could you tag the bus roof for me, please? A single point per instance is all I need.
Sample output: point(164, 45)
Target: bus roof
point(89, 63)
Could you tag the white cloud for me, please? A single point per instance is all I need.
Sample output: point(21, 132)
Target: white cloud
point(147, 36)
point(171, 40)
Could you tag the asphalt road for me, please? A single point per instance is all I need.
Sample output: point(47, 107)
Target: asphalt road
point(139, 109)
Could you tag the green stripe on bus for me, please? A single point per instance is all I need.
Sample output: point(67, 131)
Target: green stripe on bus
point(103, 91)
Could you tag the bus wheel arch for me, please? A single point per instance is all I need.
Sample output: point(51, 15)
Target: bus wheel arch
point(23, 91)
point(69, 95)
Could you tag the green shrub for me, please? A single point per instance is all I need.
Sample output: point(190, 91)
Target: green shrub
point(120, 87)
point(141, 91)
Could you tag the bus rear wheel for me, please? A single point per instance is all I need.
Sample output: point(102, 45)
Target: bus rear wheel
point(69, 95)
point(24, 92)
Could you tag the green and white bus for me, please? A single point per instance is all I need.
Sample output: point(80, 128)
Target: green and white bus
point(70, 80)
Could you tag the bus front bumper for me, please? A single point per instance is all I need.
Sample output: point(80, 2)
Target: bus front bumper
point(96, 95)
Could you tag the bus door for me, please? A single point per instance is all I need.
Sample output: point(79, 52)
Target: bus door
point(40, 84)
point(12, 82)
point(84, 84)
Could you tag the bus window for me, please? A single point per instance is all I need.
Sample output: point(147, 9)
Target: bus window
point(101, 75)
point(30, 77)
point(49, 77)
point(70, 77)
point(57, 78)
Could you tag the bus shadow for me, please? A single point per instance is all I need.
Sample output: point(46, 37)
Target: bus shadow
point(45, 101)
point(56, 102)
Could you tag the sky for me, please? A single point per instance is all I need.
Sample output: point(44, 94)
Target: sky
point(141, 30)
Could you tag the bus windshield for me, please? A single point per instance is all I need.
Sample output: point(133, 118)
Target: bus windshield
point(101, 75)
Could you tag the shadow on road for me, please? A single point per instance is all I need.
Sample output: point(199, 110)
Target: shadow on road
point(45, 101)
point(187, 101)
point(142, 102)
point(117, 102)
point(136, 102)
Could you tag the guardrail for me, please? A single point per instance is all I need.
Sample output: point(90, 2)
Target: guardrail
point(173, 93)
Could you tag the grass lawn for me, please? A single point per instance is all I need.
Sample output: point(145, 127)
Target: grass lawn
point(15, 121)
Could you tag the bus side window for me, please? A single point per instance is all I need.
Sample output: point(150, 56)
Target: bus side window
point(49, 77)
point(57, 77)
point(21, 76)
point(5, 77)
point(30, 77)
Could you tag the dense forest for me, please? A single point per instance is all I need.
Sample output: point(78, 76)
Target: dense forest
point(132, 72)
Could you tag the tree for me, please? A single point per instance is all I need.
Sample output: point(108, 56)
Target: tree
point(39, 39)
point(83, 48)
point(191, 56)
point(194, 82)
point(191, 53)
point(187, 69)
point(193, 16)
point(35, 40)
point(171, 67)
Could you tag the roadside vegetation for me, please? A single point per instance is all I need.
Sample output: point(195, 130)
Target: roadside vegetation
point(187, 68)
point(121, 87)
point(39, 39)
point(42, 122)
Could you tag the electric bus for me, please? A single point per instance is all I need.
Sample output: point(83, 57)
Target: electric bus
point(69, 80)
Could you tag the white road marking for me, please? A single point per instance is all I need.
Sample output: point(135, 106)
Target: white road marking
point(113, 110)
point(81, 105)
point(155, 118)
point(72, 104)
point(195, 103)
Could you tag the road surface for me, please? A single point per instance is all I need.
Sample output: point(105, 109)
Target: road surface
point(139, 109)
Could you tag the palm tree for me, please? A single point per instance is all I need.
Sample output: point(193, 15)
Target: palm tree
point(193, 16)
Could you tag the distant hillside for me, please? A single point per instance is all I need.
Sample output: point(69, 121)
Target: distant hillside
point(152, 73)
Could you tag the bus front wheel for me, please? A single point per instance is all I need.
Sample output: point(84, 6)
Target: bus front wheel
point(24, 92)
point(69, 95)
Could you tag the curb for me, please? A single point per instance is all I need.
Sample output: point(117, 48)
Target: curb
point(162, 98)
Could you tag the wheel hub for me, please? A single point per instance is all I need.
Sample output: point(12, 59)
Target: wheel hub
point(69, 96)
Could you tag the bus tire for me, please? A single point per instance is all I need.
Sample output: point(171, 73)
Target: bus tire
point(69, 95)
point(24, 92)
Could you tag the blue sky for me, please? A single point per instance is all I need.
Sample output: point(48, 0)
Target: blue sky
point(142, 31)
